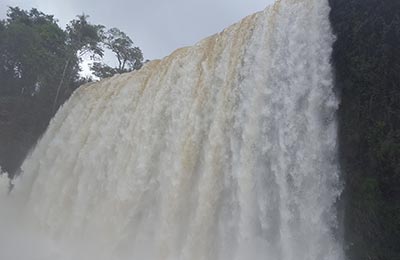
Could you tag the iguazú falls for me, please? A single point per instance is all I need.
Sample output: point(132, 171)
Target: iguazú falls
point(223, 150)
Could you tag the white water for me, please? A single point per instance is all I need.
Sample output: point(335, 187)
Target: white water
point(224, 150)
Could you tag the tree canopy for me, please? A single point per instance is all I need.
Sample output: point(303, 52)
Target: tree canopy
point(128, 56)
point(40, 68)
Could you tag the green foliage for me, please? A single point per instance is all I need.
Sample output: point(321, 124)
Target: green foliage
point(39, 69)
point(128, 56)
point(33, 50)
point(84, 37)
point(102, 70)
point(367, 62)
point(31, 43)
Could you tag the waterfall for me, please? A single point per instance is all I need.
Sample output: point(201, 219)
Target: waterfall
point(223, 150)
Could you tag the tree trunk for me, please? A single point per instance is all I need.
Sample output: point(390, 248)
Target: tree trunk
point(59, 85)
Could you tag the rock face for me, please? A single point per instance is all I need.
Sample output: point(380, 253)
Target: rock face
point(367, 64)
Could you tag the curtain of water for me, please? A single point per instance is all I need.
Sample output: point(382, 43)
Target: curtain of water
point(223, 150)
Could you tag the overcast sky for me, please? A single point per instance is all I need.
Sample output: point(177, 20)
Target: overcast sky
point(157, 26)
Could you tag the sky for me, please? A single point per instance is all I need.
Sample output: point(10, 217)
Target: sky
point(157, 27)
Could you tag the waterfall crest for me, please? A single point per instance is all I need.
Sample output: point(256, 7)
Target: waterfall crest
point(222, 150)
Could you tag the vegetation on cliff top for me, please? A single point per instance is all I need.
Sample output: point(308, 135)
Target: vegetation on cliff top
point(40, 68)
point(367, 65)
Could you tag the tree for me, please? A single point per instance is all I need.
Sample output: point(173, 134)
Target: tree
point(128, 56)
point(82, 38)
point(102, 70)
point(32, 53)
point(32, 49)
point(39, 69)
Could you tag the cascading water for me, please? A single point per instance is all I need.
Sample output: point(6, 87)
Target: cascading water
point(223, 150)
